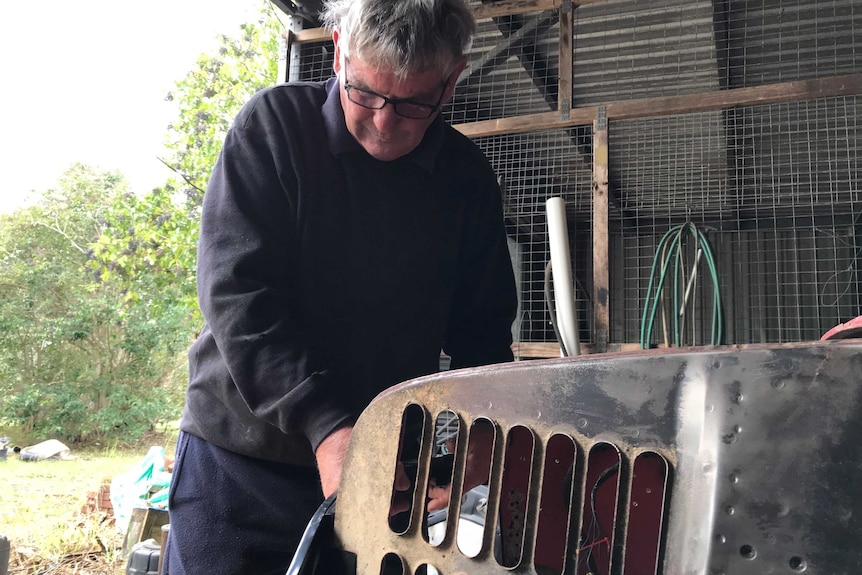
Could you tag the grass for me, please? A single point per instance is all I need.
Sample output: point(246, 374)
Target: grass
point(41, 511)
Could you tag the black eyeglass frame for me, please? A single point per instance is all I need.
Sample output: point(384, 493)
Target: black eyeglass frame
point(427, 109)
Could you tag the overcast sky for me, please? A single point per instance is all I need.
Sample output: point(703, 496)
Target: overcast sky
point(85, 81)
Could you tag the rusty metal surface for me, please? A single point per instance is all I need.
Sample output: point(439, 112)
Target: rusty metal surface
point(762, 443)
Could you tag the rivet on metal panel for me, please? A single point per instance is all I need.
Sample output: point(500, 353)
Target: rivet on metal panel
point(730, 438)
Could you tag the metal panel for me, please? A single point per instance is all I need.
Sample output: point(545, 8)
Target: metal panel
point(761, 446)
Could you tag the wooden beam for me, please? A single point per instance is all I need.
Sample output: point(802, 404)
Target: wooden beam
point(829, 87)
point(482, 12)
point(549, 350)
point(527, 123)
point(564, 82)
point(312, 35)
point(601, 237)
point(509, 7)
point(847, 85)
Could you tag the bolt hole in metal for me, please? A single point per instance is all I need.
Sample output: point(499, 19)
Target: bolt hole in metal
point(748, 552)
point(798, 564)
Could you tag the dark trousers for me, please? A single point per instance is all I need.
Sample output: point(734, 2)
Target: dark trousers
point(235, 515)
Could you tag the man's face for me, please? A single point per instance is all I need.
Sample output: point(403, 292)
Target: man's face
point(383, 133)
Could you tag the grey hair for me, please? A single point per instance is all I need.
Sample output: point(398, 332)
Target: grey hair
point(403, 36)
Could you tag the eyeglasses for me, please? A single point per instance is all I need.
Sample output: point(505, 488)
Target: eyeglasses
point(404, 108)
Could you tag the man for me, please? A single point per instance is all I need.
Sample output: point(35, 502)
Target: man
point(347, 236)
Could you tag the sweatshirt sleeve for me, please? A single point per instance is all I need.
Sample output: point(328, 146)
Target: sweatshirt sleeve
point(247, 288)
point(485, 300)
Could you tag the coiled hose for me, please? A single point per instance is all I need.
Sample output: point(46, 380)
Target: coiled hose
point(670, 254)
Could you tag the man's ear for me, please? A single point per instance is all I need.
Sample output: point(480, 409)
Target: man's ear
point(336, 63)
point(453, 80)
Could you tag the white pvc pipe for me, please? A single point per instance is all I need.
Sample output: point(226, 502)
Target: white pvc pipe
point(561, 265)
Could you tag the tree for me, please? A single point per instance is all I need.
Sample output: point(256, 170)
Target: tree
point(73, 352)
point(150, 241)
point(97, 286)
point(211, 95)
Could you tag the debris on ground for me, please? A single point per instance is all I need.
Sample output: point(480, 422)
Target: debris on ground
point(49, 449)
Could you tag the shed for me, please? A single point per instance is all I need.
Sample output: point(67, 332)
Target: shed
point(737, 118)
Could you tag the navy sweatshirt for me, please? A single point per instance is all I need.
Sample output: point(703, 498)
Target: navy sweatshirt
point(326, 276)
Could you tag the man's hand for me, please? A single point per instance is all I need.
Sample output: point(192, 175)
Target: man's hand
point(330, 458)
point(476, 470)
point(402, 494)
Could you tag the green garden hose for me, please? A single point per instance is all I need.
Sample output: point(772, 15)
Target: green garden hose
point(670, 254)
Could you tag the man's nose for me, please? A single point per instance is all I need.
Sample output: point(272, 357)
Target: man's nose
point(385, 118)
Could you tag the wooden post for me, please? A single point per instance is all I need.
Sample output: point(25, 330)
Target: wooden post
point(564, 86)
point(601, 274)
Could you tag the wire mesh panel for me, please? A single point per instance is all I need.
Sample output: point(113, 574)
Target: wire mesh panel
point(773, 187)
point(311, 62)
point(776, 189)
point(632, 49)
point(532, 168)
point(770, 41)
point(512, 68)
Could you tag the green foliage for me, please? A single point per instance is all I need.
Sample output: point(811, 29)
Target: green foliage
point(97, 284)
point(211, 95)
point(147, 250)
point(76, 353)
